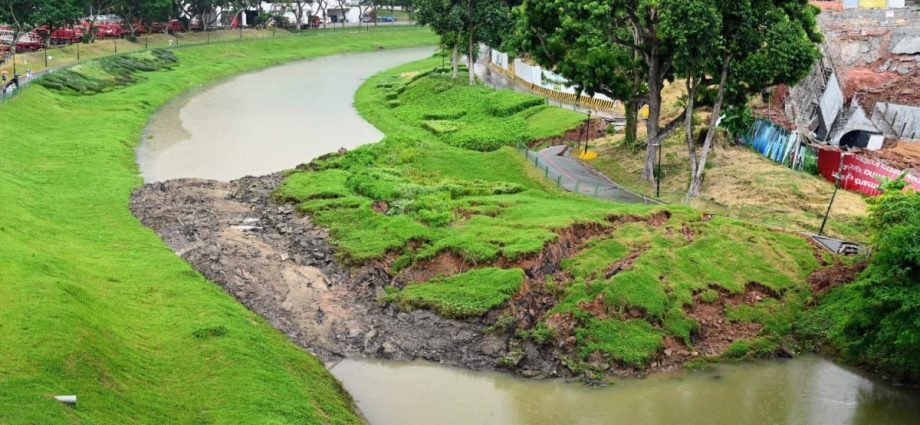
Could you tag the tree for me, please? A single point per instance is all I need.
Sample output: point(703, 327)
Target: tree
point(464, 24)
point(299, 7)
point(444, 18)
point(694, 29)
point(633, 25)
point(589, 53)
point(363, 7)
point(322, 5)
point(755, 44)
point(96, 8)
point(482, 21)
point(26, 15)
point(203, 10)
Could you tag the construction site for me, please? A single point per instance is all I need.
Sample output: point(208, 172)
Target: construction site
point(857, 115)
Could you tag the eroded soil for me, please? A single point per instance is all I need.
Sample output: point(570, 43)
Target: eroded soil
point(277, 263)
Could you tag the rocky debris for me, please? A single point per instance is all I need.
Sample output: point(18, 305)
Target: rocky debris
point(277, 263)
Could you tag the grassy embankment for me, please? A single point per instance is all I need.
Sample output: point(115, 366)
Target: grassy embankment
point(430, 191)
point(94, 304)
point(68, 55)
point(739, 181)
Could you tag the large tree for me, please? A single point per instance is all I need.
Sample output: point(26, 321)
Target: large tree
point(445, 19)
point(633, 25)
point(26, 15)
point(463, 24)
point(588, 53)
point(749, 45)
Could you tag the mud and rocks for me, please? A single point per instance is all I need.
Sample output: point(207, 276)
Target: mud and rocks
point(280, 265)
point(275, 261)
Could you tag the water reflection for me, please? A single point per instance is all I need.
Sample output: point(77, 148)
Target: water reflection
point(809, 390)
point(265, 121)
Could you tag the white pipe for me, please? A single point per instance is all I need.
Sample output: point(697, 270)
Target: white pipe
point(67, 399)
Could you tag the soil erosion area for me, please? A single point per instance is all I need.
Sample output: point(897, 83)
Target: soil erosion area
point(277, 263)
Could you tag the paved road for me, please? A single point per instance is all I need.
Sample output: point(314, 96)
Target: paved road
point(574, 175)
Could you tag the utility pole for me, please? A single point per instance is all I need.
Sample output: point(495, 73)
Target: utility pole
point(658, 180)
point(837, 176)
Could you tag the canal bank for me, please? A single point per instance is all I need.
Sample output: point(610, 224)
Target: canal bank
point(446, 394)
point(147, 339)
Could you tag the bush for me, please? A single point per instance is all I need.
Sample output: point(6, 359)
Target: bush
point(440, 127)
point(876, 320)
point(504, 103)
point(109, 72)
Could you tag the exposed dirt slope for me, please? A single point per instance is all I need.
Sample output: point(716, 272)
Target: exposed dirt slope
point(278, 264)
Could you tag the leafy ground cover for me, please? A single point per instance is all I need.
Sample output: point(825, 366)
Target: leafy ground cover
point(623, 282)
point(477, 118)
point(876, 320)
point(94, 304)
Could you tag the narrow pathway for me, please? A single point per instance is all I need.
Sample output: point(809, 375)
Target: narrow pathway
point(575, 175)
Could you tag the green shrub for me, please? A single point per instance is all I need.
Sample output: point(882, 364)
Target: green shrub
point(440, 127)
point(875, 319)
point(504, 103)
point(109, 72)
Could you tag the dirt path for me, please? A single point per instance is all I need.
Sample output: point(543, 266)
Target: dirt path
point(277, 263)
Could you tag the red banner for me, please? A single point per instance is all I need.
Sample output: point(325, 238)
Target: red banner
point(859, 174)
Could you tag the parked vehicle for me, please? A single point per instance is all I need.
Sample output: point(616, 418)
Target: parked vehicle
point(65, 36)
point(386, 19)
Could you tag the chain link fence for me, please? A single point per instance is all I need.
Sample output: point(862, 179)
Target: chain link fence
point(571, 175)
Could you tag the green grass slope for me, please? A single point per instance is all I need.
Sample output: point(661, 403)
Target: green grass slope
point(421, 199)
point(94, 304)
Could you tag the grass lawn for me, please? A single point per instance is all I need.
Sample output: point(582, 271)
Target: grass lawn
point(94, 304)
point(67, 55)
point(739, 180)
point(423, 192)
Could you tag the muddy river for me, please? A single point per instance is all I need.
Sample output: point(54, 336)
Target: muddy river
point(266, 121)
point(807, 390)
point(275, 119)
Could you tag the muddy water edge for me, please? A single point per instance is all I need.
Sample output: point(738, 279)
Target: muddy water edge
point(280, 265)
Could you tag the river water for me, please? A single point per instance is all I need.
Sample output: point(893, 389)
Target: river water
point(266, 121)
point(808, 390)
point(270, 120)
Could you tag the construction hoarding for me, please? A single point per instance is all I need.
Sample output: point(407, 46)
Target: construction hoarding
point(858, 173)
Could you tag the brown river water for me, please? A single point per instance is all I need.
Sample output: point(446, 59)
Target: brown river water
point(808, 390)
point(267, 121)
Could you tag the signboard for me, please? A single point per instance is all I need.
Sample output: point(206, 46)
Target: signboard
point(859, 174)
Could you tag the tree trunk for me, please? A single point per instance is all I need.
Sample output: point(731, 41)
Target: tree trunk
point(471, 61)
point(632, 121)
point(688, 124)
point(455, 62)
point(654, 115)
point(697, 182)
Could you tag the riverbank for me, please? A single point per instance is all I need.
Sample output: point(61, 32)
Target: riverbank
point(96, 305)
point(461, 233)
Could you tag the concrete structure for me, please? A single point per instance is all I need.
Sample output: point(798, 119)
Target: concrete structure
point(898, 121)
